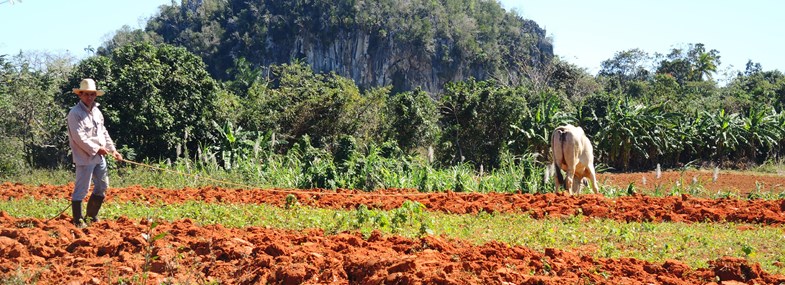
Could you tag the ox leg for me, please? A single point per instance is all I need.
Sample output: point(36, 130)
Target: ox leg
point(592, 175)
point(577, 183)
point(569, 180)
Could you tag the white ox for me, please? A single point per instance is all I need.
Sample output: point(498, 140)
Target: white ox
point(573, 153)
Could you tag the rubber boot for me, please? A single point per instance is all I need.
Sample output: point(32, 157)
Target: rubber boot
point(76, 210)
point(93, 205)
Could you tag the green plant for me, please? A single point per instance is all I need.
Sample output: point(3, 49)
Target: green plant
point(149, 247)
point(748, 250)
point(23, 276)
point(290, 201)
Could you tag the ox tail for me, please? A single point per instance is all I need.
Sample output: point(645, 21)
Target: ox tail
point(558, 173)
point(556, 163)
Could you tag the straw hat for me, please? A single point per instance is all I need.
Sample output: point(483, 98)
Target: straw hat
point(88, 84)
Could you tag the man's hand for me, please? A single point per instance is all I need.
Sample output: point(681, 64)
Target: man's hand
point(102, 151)
point(117, 156)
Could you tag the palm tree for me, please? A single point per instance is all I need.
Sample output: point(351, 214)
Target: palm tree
point(705, 66)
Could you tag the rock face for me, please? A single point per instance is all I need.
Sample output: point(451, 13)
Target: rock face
point(384, 63)
point(373, 62)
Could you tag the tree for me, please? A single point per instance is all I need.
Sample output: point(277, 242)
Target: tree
point(706, 65)
point(125, 35)
point(756, 85)
point(633, 132)
point(721, 133)
point(31, 125)
point(413, 119)
point(572, 80)
point(624, 68)
point(543, 115)
point(762, 129)
point(158, 97)
point(296, 101)
point(477, 119)
point(691, 65)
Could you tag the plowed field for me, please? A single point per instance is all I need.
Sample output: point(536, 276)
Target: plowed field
point(115, 251)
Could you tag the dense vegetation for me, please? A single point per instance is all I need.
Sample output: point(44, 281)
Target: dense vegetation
point(166, 103)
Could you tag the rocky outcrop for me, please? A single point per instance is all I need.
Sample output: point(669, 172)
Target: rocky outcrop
point(373, 62)
point(404, 48)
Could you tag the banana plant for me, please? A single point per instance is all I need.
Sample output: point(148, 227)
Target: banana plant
point(722, 132)
point(763, 130)
point(541, 120)
point(633, 132)
point(234, 144)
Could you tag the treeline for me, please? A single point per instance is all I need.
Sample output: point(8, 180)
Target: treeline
point(161, 104)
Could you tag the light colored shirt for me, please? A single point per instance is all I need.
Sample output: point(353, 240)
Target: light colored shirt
point(87, 134)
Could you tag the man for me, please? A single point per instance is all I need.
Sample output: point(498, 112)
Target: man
point(89, 142)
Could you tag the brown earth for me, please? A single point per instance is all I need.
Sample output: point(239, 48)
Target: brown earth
point(113, 252)
point(638, 207)
point(736, 182)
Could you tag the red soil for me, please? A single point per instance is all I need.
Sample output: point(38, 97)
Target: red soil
point(739, 183)
point(683, 208)
point(55, 252)
point(105, 252)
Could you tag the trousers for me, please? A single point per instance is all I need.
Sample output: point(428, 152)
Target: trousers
point(84, 174)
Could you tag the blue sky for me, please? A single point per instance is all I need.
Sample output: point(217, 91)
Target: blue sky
point(59, 26)
point(583, 32)
point(589, 32)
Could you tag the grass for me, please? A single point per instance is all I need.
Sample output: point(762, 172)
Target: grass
point(694, 244)
point(23, 276)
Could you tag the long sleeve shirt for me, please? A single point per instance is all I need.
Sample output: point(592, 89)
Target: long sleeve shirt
point(87, 134)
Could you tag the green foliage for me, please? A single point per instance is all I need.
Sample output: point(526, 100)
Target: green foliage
point(409, 214)
point(413, 119)
point(762, 128)
point(158, 98)
point(234, 145)
point(297, 102)
point(31, 125)
point(150, 247)
point(161, 103)
point(625, 69)
point(23, 276)
point(723, 132)
point(290, 201)
point(692, 64)
point(542, 116)
point(476, 117)
point(634, 132)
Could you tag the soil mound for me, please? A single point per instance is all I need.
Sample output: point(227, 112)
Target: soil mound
point(634, 208)
point(108, 252)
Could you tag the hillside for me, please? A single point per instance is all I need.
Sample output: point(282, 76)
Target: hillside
point(403, 43)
